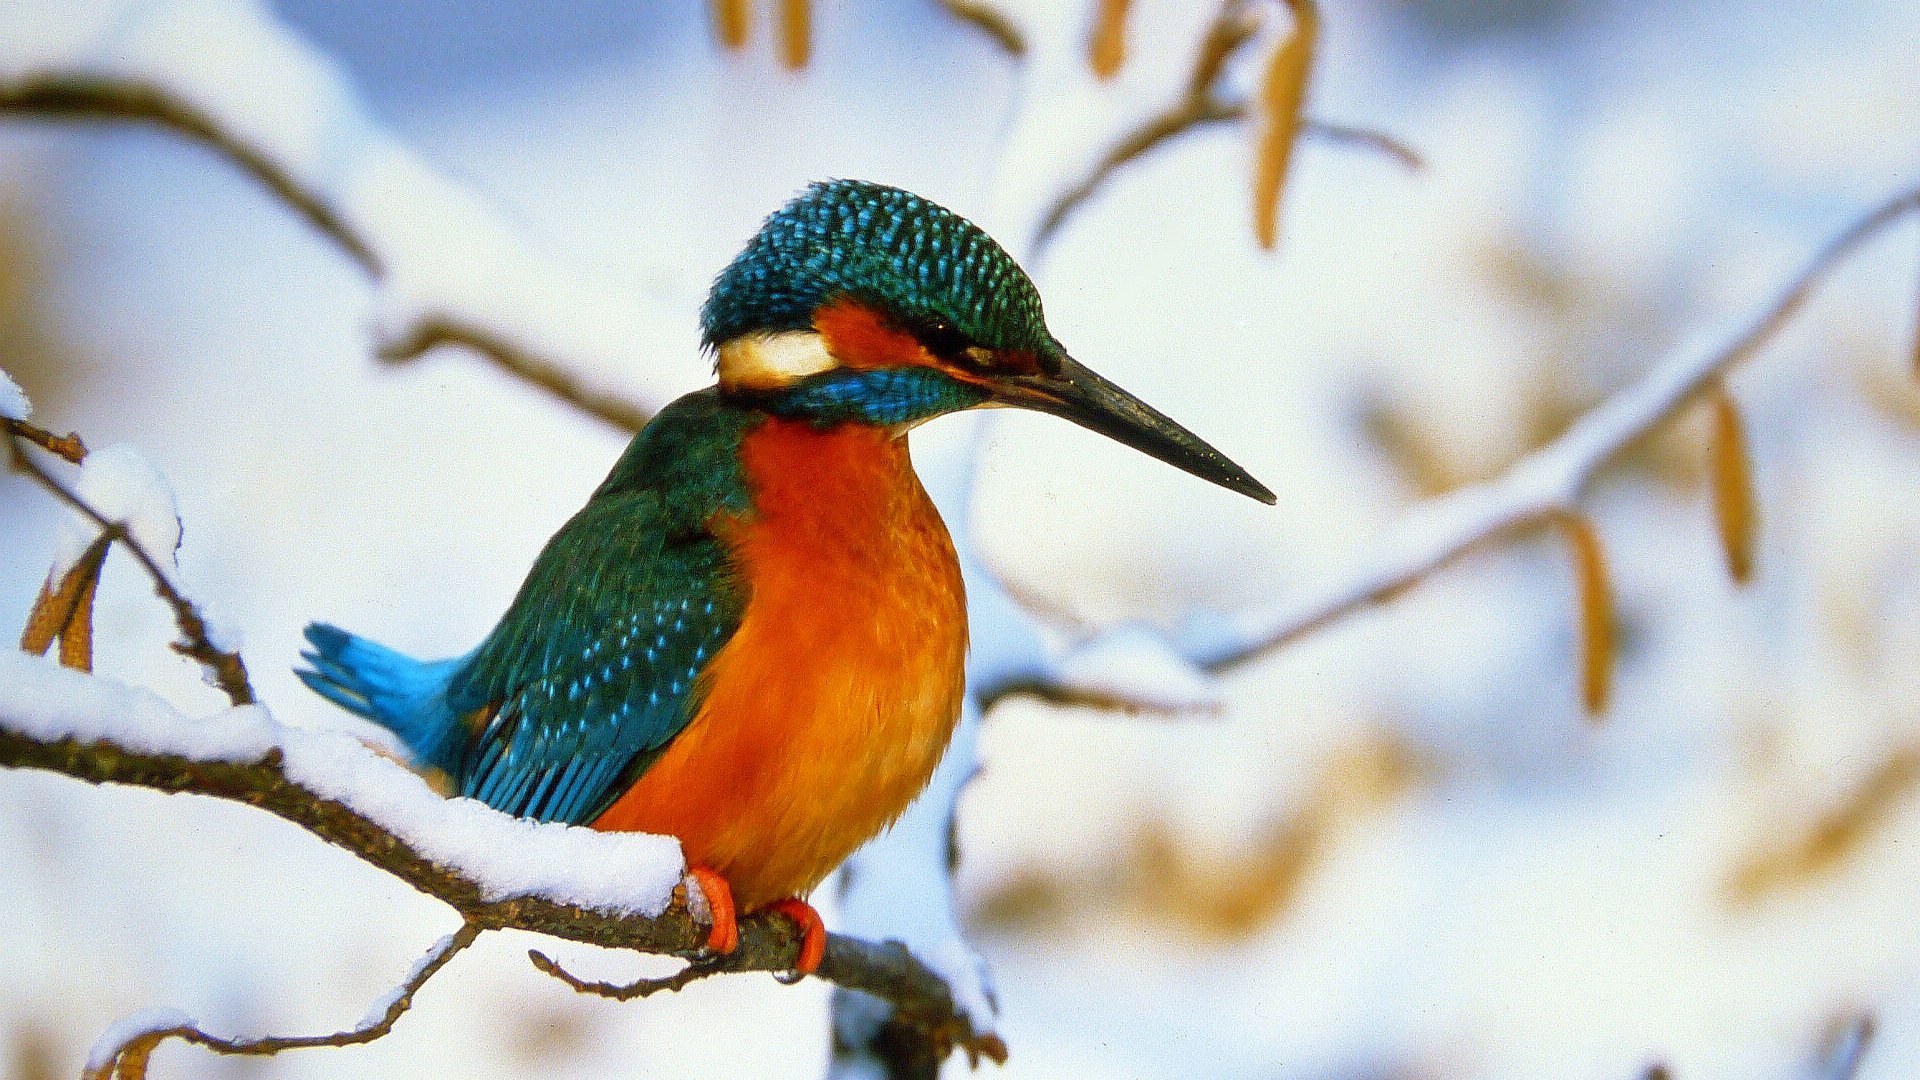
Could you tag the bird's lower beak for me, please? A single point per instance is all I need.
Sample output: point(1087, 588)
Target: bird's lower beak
point(1079, 394)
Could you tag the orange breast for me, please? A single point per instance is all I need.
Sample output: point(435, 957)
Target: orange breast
point(828, 710)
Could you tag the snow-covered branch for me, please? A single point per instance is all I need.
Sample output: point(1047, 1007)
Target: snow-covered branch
point(1545, 485)
point(122, 1052)
point(147, 512)
point(445, 268)
point(497, 872)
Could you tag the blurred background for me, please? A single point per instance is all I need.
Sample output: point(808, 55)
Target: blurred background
point(1400, 851)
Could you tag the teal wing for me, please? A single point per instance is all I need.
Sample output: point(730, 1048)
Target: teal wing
point(594, 669)
point(596, 666)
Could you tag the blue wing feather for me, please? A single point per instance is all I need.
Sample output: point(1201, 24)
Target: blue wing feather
point(596, 666)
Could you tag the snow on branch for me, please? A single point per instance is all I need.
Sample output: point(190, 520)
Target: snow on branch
point(122, 1052)
point(445, 269)
point(1549, 484)
point(125, 502)
point(498, 872)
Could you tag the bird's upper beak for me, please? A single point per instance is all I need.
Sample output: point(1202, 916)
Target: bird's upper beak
point(1081, 395)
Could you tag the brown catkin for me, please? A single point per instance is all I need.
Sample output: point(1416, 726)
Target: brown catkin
point(1282, 98)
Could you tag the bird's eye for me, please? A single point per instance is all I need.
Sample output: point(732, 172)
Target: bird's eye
point(949, 343)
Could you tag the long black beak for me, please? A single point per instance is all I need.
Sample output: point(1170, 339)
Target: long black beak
point(1079, 394)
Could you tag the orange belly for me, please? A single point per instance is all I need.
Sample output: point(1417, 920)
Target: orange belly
point(826, 713)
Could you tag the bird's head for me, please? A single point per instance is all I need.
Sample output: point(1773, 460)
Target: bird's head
point(861, 303)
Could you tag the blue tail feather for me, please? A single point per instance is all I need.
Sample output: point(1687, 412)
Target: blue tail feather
point(404, 695)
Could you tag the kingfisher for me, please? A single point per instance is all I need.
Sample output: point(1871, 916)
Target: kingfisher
point(752, 636)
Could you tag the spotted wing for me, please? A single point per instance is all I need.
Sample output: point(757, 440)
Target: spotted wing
point(596, 667)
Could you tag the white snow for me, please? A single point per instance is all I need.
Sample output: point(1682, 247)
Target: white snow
point(116, 1037)
point(1138, 666)
point(443, 254)
point(377, 1011)
point(120, 484)
point(506, 856)
point(45, 701)
point(13, 400)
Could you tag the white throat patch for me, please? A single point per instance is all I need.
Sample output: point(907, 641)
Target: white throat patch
point(772, 361)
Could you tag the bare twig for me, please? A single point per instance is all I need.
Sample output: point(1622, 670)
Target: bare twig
point(556, 380)
point(639, 988)
point(228, 670)
point(73, 95)
point(126, 1056)
point(1201, 104)
point(991, 21)
point(67, 446)
point(69, 96)
point(1548, 482)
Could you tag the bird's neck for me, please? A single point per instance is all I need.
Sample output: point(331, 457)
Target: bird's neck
point(811, 482)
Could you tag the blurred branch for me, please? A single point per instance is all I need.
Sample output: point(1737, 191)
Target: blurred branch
point(983, 16)
point(123, 1055)
point(1548, 483)
point(1794, 852)
point(1845, 1049)
point(67, 446)
point(553, 378)
point(226, 669)
point(69, 96)
point(84, 96)
point(1202, 103)
point(767, 943)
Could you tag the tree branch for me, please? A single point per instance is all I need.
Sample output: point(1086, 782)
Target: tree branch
point(767, 943)
point(335, 209)
point(67, 446)
point(227, 670)
point(1548, 483)
point(1202, 103)
point(123, 1052)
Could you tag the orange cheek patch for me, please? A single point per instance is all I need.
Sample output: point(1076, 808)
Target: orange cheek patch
point(859, 338)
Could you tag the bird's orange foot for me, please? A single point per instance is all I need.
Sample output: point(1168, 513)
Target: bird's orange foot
point(725, 935)
point(813, 932)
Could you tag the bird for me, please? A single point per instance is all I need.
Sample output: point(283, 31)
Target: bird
point(752, 637)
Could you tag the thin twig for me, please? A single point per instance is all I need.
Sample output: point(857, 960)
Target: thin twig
point(1846, 1050)
point(556, 380)
point(128, 1057)
point(1201, 105)
point(67, 446)
point(640, 988)
point(228, 670)
point(991, 21)
point(1551, 480)
point(67, 95)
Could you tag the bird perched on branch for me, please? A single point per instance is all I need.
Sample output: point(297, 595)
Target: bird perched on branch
point(752, 636)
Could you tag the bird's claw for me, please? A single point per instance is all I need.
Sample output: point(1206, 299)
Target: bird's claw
point(813, 934)
point(724, 937)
